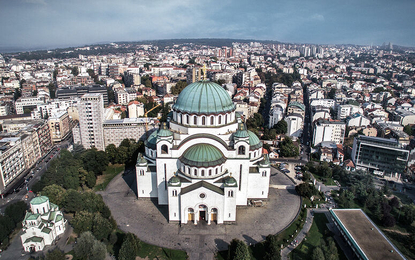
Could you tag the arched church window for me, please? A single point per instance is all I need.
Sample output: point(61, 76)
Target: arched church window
point(264, 174)
point(226, 119)
point(203, 120)
point(210, 172)
point(164, 149)
point(230, 193)
point(195, 172)
point(195, 120)
point(220, 120)
point(216, 171)
point(203, 173)
point(211, 120)
point(174, 194)
point(187, 119)
point(241, 150)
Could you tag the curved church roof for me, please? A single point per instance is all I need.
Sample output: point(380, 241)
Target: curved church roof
point(204, 97)
point(202, 155)
point(297, 104)
point(254, 142)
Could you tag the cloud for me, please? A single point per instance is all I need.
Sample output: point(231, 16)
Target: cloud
point(317, 17)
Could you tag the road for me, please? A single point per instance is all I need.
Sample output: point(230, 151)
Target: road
point(31, 177)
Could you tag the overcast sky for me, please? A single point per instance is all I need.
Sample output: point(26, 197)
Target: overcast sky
point(64, 23)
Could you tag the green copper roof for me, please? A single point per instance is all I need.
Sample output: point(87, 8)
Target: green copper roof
point(204, 97)
point(254, 142)
point(202, 155)
point(33, 239)
point(174, 181)
point(241, 132)
point(297, 104)
point(230, 182)
point(164, 131)
point(152, 140)
point(39, 200)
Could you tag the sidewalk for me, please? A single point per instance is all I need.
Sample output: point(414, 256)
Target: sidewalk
point(301, 235)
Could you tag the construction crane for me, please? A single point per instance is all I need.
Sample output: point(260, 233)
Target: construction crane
point(145, 115)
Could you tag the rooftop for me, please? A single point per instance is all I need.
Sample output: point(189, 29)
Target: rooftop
point(368, 240)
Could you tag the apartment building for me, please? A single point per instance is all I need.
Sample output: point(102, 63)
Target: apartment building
point(91, 113)
point(332, 131)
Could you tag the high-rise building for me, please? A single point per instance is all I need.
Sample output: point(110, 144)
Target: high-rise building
point(91, 114)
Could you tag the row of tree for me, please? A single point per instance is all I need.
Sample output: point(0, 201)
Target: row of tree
point(73, 171)
point(12, 219)
point(238, 250)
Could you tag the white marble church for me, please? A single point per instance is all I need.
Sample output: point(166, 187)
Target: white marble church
point(203, 163)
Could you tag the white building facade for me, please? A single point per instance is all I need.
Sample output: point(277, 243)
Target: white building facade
point(204, 163)
point(42, 225)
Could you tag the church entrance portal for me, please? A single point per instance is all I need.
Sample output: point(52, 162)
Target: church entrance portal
point(202, 213)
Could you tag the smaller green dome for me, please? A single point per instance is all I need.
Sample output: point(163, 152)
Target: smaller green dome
point(174, 181)
point(230, 181)
point(39, 200)
point(164, 131)
point(241, 132)
point(254, 142)
point(202, 155)
point(152, 140)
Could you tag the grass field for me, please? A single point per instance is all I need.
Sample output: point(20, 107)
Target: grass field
point(104, 179)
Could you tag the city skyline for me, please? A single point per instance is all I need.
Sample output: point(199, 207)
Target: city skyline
point(36, 24)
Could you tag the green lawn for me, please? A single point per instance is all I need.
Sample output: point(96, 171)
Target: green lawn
point(326, 181)
point(155, 252)
point(317, 232)
point(107, 176)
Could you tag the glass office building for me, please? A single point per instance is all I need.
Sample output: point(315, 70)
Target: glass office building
point(381, 154)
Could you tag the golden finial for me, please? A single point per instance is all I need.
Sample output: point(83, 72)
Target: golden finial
point(204, 71)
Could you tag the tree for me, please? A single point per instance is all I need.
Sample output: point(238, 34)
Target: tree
point(332, 94)
point(87, 247)
point(73, 201)
point(180, 85)
point(408, 129)
point(111, 151)
point(75, 71)
point(55, 254)
point(272, 248)
point(95, 161)
point(16, 211)
point(55, 193)
point(52, 90)
point(281, 127)
point(388, 220)
point(305, 190)
point(129, 248)
point(317, 254)
point(288, 148)
point(83, 221)
point(101, 227)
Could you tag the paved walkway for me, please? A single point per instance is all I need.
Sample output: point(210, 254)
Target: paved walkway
point(299, 238)
point(149, 221)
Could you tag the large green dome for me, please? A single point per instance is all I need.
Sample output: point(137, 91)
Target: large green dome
point(202, 155)
point(204, 97)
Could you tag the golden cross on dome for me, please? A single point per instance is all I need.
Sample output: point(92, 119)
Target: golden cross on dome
point(204, 71)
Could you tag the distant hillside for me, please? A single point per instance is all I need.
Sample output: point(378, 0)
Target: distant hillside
point(123, 47)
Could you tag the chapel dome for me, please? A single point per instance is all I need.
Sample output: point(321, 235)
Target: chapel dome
point(204, 97)
point(202, 155)
point(254, 142)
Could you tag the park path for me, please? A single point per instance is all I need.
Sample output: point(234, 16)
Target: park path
point(301, 235)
